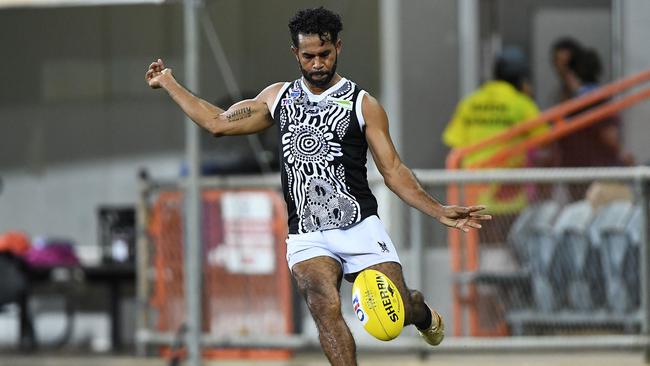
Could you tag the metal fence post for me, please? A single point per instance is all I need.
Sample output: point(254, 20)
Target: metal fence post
point(142, 260)
point(416, 250)
point(642, 185)
point(193, 247)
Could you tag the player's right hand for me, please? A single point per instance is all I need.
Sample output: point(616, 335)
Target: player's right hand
point(155, 73)
point(463, 218)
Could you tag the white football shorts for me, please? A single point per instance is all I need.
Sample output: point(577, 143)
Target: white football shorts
point(356, 248)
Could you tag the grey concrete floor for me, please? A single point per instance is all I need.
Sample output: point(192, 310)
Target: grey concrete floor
point(315, 359)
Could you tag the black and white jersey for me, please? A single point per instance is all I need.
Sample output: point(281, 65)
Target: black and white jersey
point(323, 156)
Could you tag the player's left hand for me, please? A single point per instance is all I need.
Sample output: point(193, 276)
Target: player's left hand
point(463, 218)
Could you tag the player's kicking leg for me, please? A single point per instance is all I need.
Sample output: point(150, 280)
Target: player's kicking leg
point(319, 281)
point(427, 321)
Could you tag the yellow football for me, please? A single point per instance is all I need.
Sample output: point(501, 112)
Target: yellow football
point(378, 305)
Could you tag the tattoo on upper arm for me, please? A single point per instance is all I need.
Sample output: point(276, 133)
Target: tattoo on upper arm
point(238, 114)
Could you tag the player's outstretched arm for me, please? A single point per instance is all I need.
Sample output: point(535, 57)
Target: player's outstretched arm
point(400, 179)
point(246, 117)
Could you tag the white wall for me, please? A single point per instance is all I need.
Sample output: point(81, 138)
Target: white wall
point(63, 200)
point(591, 27)
point(429, 80)
point(636, 32)
point(61, 162)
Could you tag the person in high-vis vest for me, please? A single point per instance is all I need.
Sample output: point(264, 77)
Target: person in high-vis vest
point(498, 105)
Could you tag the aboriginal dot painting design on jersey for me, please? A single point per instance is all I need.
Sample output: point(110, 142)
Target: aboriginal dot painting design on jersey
point(311, 134)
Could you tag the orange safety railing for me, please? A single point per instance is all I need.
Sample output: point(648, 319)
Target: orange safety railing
point(563, 119)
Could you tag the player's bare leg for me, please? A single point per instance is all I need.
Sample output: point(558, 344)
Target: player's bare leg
point(319, 281)
point(418, 313)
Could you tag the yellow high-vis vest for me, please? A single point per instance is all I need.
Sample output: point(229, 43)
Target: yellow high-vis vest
point(496, 107)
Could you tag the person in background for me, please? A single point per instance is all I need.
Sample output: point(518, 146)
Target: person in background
point(598, 145)
point(563, 51)
point(498, 105)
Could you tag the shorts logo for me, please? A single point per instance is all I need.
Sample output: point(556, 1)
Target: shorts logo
point(383, 246)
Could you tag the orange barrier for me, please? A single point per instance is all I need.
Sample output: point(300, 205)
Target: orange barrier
point(564, 119)
point(237, 299)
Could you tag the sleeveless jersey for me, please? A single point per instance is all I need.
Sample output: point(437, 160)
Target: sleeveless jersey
point(323, 156)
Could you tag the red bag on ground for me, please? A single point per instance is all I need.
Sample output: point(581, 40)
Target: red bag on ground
point(15, 242)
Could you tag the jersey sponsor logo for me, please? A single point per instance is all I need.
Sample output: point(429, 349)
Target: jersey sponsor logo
point(294, 93)
point(345, 104)
point(287, 101)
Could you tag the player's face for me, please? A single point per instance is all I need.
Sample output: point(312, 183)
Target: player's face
point(317, 59)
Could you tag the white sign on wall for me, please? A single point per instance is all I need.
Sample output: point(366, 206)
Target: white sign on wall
point(248, 238)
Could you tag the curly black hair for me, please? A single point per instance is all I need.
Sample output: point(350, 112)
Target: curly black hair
point(567, 43)
point(321, 21)
point(587, 65)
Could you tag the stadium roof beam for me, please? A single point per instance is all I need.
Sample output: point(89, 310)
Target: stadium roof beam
point(66, 3)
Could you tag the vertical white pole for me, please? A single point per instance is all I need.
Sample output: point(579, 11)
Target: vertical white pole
point(417, 250)
point(192, 252)
point(617, 39)
point(644, 263)
point(391, 64)
point(468, 46)
point(391, 97)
